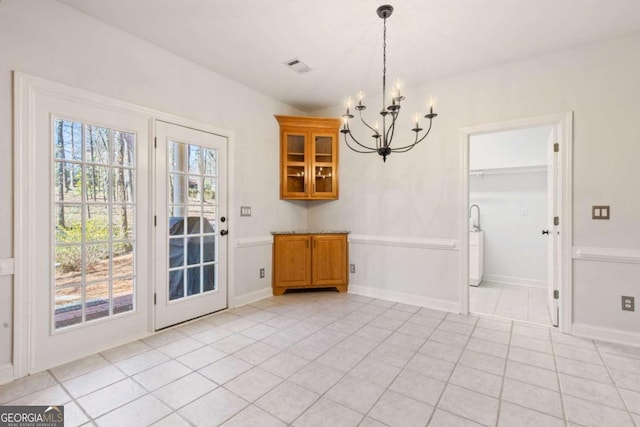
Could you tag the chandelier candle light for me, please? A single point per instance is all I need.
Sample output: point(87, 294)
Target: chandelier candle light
point(383, 137)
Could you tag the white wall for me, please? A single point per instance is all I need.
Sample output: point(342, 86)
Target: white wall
point(416, 194)
point(513, 205)
point(50, 40)
point(515, 251)
point(514, 148)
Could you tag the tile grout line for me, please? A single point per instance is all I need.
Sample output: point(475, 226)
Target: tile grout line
point(615, 385)
point(455, 365)
point(347, 372)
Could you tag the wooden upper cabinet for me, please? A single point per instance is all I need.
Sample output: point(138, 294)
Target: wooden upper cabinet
point(308, 157)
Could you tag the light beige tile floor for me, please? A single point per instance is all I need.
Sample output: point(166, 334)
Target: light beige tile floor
point(329, 359)
point(524, 303)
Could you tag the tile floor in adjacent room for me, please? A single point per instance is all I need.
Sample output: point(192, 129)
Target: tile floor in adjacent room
point(329, 359)
point(525, 303)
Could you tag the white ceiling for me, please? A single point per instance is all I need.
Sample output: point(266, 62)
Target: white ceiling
point(341, 40)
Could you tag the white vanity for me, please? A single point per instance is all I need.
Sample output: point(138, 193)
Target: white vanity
point(476, 257)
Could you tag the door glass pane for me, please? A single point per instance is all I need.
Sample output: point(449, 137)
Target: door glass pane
point(209, 278)
point(295, 179)
point(68, 140)
point(68, 182)
point(123, 148)
point(210, 162)
point(97, 297)
point(122, 295)
point(68, 306)
point(195, 158)
point(323, 179)
point(96, 145)
point(177, 194)
point(177, 156)
point(192, 258)
point(94, 217)
point(295, 148)
point(176, 284)
point(193, 280)
point(324, 148)
point(68, 223)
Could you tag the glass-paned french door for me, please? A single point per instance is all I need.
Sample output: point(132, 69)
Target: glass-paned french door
point(191, 204)
point(94, 216)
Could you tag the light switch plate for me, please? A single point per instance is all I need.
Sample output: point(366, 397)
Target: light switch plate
point(600, 212)
point(245, 210)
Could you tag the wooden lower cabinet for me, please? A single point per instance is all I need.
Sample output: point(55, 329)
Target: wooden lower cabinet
point(310, 261)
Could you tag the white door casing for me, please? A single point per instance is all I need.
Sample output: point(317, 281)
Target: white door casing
point(563, 130)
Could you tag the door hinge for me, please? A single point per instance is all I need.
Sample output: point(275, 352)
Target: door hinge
point(556, 220)
point(155, 220)
point(155, 299)
point(556, 294)
point(155, 142)
point(556, 148)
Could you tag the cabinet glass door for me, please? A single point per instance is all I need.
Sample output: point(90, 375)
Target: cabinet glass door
point(295, 165)
point(323, 165)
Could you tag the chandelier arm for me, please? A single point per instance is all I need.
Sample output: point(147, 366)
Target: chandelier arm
point(399, 149)
point(365, 123)
point(357, 142)
point(369, 150)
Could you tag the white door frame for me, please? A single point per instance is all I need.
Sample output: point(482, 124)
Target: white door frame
point(563, 124)
point(24, 88)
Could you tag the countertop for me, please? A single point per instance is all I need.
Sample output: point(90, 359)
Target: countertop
point(310, 232)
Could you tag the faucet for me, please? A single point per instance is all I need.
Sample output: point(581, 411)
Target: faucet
point(477, 228)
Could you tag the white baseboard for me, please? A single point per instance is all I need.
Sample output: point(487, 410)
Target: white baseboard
point(6, 373)
point(251, 297)
point(434, 303)
point(517, 281)
point(605, 334)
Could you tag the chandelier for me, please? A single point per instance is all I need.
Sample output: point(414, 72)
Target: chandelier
point(383, 136)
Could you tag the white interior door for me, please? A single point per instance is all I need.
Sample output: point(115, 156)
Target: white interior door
point(553, 228)
point(87, 223)
point(191, 199)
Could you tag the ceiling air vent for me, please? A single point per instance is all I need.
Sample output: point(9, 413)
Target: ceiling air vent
point(297, 66)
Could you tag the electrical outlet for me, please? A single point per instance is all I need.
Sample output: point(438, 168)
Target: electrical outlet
point(628, 303)
point(525, 211)
point(262, 273)
point(352, 268)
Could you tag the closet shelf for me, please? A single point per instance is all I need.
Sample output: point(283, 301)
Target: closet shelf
point(508, 170)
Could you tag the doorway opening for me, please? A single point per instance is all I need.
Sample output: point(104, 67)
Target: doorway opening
point(516, 220)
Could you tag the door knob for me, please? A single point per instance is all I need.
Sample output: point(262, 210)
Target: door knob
point(224, 232)
point(545, 231)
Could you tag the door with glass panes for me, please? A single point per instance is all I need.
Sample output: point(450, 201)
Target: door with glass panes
point(191, 224)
